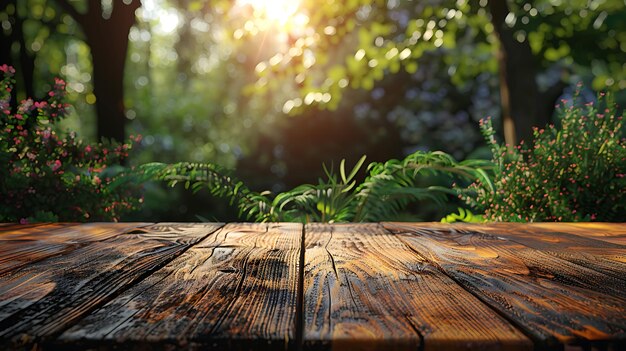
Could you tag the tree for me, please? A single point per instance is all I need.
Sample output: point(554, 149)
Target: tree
point(106, 32)
point(533, 45)
point(16, 46)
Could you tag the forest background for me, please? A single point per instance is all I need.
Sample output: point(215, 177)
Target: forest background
point(274, 89)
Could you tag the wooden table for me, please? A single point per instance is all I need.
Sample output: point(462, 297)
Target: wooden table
point(386, 286)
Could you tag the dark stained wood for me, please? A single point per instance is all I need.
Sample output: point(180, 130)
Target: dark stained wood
point(420, 286)
point(4, 227)
point(365, 289)
point(25, 245)
point(42, 299)
point(553, 300)
point(237, 289)
point(569, 242)
point(580, 248)
point(13, 229)
point(614, 233)
point(611, 232)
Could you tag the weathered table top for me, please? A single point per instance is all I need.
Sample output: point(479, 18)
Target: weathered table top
point(413, 286)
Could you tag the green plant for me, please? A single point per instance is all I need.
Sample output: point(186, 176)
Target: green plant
point(48, 177)
point(572, 172)
point(464, 215)
point(388, 188)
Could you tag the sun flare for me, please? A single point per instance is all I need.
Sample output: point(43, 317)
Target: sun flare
point(278, 11)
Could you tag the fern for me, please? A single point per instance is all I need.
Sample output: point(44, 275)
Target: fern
point(463, 216)
point(393, 185)
point(328, 201)
point(217, 180)
point(387, 190)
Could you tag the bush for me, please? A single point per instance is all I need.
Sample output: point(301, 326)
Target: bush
point(572, 172)
point(46, 177)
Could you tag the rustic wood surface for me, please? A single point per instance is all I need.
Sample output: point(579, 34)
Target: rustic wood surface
point(554, 301)
point(43, 299)
point(388, 286)
point(236, 286)
point(24, 245)
point(366, 289)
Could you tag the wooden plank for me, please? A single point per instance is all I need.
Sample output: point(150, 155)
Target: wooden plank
point(555, 239)
point(570, 244)
point(365, 289)
point(14, 229)
point(237, 289)
point(614, 233)
point(553, 300)
point(610, 232)
point(13, 226)
point(42, 299)
point(26, 245)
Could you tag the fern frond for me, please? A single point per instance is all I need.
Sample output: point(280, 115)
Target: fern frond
point(387, 190)
point(392, 185)
point(463, 216)
point(219, 181)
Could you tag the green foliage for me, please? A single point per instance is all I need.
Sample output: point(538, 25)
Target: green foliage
point(391, 186)
point(388, 188)
point(220, 182)
point(572, 172)
point(47, 177)
point(464, 215)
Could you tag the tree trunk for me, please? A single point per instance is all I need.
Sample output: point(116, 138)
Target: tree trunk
point(108, 40)
point(25, 62)
point(519, 92)
point(6, 46)
point(109, 57)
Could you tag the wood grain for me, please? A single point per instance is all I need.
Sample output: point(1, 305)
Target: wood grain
point(568, 243)
point(366, 290)
point(610, 232)
point(6, 227)
point(26, 245)
point(553, 300)
point(563, 240)
point(42, 299)
point(237, 289)
point(13, 229)
point(614, 233)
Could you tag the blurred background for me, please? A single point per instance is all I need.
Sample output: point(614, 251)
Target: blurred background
point(276, 88)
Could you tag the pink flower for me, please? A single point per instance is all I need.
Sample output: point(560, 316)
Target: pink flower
point(7, 69)
point(22, 220)
point(56, 165)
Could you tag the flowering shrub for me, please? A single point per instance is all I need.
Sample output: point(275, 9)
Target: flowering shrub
point(47, 177)
point(575, 172)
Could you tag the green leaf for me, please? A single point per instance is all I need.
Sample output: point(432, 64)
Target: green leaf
point(356, 168)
